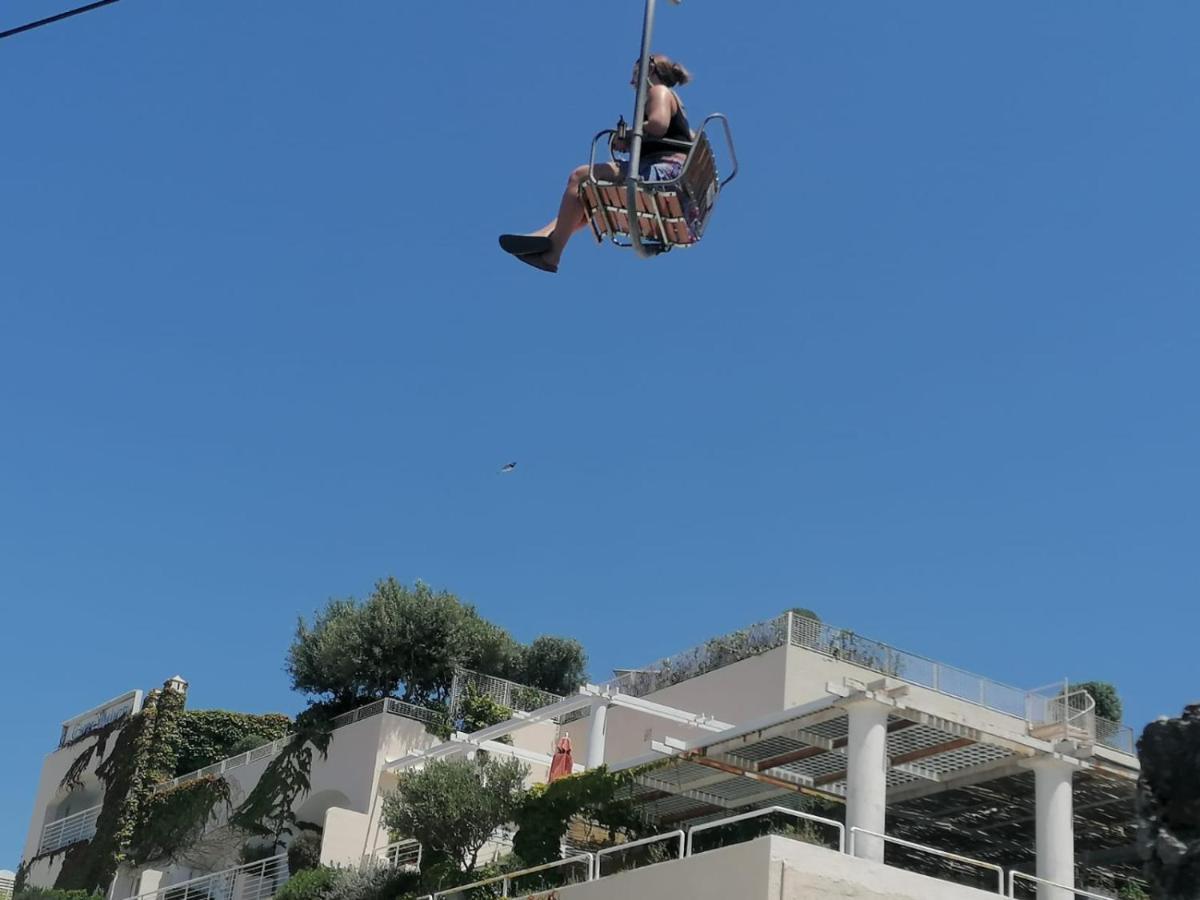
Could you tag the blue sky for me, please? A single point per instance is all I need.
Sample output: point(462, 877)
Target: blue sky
point(932, 373)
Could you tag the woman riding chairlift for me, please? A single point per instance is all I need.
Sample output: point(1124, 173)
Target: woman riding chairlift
point(665, 121)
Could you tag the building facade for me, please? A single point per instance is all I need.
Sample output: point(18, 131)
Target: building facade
point(944, 783)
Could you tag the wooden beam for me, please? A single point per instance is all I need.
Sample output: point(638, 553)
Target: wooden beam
point(808, 752)
point(764, 779)
point(913, 755)
point(784, 758)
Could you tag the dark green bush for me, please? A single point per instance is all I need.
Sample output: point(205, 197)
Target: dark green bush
point(304, 852)
point(35, 893)
point(309, 884)
point(373, 884)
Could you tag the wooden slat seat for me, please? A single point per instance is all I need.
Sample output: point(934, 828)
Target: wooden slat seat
point(671, 215)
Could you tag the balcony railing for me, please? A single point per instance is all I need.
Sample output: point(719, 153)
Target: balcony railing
point(80, 826)
point(404, 855)
point(842, 643)
point(390, 705)
point(253, 881)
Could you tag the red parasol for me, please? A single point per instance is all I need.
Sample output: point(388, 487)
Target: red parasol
point(562, 764)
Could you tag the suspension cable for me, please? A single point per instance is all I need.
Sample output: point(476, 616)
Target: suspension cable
point(56, 18)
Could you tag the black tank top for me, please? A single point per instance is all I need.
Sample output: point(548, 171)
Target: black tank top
point(677, 130)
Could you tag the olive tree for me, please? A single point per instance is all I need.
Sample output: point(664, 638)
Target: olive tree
point(453, 806)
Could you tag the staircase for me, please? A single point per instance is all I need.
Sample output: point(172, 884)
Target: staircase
point(1064, 715)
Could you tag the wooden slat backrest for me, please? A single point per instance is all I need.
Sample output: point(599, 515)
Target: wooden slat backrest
point(701, 171)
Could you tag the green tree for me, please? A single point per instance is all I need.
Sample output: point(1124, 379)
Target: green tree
point(323, 658)
point(407, 641)
point(453, 806)
point(554, 664)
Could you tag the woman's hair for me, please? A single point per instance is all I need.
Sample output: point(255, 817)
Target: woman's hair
point(668, 71)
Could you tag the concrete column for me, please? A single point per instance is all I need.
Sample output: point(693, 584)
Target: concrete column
point(1055, 827)
point(866, 776)
point(595, 756)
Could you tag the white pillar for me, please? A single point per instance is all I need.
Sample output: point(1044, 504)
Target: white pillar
point(595, 756)
point(866, 776)
point(1055, 827)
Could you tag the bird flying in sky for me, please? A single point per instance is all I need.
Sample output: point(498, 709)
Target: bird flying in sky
point(505, 469)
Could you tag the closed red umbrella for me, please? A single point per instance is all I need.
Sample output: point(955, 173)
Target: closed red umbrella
point(562, 764)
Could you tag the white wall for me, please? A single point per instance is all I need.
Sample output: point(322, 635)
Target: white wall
point(740, 872)
point(344, 838)
point(809, 671)
point(801, 871)
point(51, 802)
point(771, 868)
point(736, 693)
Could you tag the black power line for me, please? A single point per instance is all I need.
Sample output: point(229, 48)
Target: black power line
point(58, 18)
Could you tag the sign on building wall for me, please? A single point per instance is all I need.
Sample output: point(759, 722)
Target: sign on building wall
point(95, 719)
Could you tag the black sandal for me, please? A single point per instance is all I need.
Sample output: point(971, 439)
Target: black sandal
point(524, 244)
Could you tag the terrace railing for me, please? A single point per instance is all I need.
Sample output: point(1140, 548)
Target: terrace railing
point(842, 643)
point(390, 706)
point(253, 881)
point(80, 826)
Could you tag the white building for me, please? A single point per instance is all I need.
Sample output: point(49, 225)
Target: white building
point(6, 883)
point(1030, 789)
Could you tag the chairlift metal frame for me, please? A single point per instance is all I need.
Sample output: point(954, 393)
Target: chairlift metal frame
point(648, 191)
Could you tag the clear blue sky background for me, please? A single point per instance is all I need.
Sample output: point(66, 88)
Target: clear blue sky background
point(933, 373)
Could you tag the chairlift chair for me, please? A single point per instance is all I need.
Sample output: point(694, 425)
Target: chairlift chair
point(671, 213)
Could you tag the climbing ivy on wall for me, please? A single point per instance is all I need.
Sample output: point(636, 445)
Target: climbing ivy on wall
point(210, 735)
point(143, 753)
point(173, 820)
point(599, 796)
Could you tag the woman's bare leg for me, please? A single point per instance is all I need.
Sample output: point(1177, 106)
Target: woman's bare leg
point(570, 216)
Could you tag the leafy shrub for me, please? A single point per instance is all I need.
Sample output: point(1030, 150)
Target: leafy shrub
point(597, 795)
point(36, 893)
point(309, 884)
point(254, 851)
point(304, 852)
point(373, 884)
point(478, 711)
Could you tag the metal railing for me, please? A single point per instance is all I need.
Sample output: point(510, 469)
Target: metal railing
point(509, 694)
point(848, 841)
point(844, 644)
point(80, 826)
point(1064, 892)
point(390, 705)
point(405, 855)
point(611, 852)
point(713, 654)
point(1115, 736)
point(253, 881)
point(944, 854)
point(505, 881)
point(768, 811)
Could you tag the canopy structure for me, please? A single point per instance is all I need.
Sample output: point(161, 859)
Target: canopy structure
point(949, 784)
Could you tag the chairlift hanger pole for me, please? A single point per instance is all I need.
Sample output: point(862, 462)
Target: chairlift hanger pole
point(635, 145)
